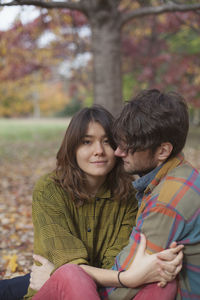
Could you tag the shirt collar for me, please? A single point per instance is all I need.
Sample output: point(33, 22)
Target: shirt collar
point(141, 183)
point(104, 192)
point(146, 183)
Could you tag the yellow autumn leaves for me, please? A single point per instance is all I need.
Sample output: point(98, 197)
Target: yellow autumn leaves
point(11, 261)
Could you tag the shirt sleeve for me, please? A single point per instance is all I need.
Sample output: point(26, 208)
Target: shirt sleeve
point(161, 225)
point(55, 234)
point(127, 223)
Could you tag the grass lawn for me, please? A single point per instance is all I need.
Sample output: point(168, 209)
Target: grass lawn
point(31, 129)
point(20, 138)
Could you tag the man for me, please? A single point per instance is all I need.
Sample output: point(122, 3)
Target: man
point(151, 132)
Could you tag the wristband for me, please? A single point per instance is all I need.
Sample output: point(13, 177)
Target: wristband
point(124, 286)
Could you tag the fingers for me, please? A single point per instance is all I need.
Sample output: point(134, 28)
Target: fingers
point(173, 245)
point(177, 249)
point(167, 267)
point(169, 270)
point(178, 259)
point(166, 255)
point(32, 281)
point(171, 266)
point(178, 269)
point(167, 276)
point(162, 284)
point(34, 269)
point(40, 259)
point(143, 242)
point(33, 284)
point(170, 254)
point(142, 246)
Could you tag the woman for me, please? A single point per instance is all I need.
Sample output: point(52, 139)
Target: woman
point(84, 211)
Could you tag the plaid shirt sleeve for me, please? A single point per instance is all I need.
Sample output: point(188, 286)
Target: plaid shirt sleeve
point(170, 214)
point(148, 222)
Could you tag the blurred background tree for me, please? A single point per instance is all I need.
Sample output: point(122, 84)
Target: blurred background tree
point(71, 54)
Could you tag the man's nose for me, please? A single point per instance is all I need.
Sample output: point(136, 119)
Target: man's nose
point(119, 152)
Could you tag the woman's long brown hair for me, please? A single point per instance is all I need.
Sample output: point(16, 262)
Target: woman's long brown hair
point(69, 175)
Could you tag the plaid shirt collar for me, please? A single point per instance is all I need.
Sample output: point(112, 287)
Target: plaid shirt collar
point(166, 168)
point(146, 183)
point(141, 183)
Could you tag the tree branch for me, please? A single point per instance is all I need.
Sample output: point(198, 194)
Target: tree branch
point(114, 3)
point(156, 10)
point(49, 5)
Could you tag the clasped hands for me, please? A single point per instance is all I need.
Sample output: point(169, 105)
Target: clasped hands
point(160, 267)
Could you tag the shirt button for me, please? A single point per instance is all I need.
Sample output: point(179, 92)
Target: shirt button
point(89, 230)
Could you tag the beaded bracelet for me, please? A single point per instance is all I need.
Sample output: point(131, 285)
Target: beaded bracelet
point(123, 285)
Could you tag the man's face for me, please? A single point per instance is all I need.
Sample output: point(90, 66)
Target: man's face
point(140, 162)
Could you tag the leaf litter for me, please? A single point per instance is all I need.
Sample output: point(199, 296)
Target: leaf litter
point(18, 174)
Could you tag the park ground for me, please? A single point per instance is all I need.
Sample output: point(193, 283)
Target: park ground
point(27, 151)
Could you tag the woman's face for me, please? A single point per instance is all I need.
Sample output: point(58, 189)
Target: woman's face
point(94, 156)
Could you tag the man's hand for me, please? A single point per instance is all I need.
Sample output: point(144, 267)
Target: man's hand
point(145, 268)
point(171, 261)
point(40, 274)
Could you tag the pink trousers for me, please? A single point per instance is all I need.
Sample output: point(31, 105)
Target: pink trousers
point(71, 282)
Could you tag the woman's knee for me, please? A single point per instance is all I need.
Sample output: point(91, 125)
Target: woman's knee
point(68, 271)
point(75, 277)
point(72, 274)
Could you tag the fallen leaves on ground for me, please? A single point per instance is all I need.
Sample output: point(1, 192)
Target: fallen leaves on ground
point(17, 178)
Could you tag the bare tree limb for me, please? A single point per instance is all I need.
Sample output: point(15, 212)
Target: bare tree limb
point(49, 5)
point(156, 10)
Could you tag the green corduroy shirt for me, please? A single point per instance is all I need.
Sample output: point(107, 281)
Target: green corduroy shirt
point(92, 234)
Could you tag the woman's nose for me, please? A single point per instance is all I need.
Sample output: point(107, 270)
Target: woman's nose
point(99, 149)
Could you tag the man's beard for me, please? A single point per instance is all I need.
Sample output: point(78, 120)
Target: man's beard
point(142, 171)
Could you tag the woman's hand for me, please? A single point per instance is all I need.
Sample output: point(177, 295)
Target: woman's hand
point(160, 267)
point(40, 274)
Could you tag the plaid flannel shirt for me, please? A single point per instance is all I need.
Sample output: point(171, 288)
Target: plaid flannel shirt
point(170, 211)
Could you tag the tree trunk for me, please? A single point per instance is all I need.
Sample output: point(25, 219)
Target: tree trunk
point(36, 106)
point(107, 77)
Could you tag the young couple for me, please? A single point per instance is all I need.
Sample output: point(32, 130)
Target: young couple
point(84, 211)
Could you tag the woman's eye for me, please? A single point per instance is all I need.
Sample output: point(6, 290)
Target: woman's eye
point(106, 141)
point(86, 142)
